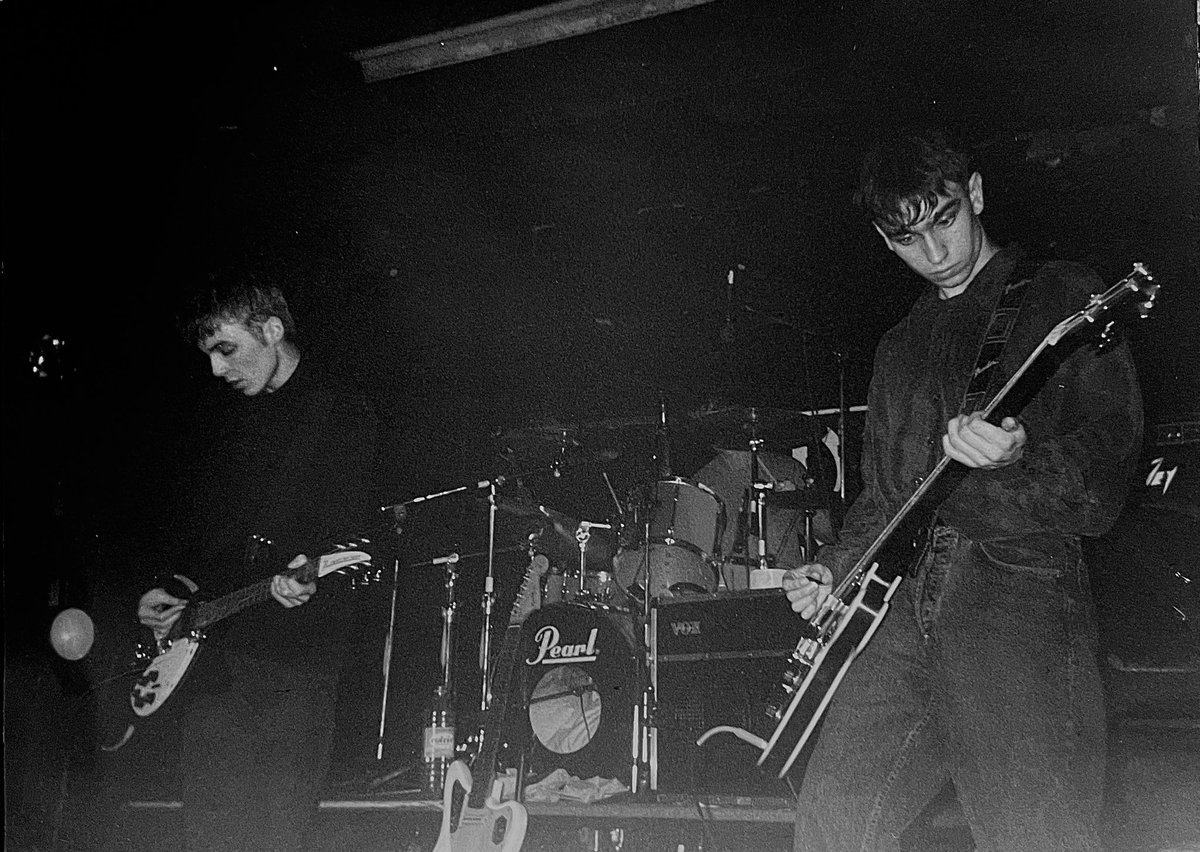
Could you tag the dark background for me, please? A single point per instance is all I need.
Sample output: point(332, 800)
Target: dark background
point(540, 235)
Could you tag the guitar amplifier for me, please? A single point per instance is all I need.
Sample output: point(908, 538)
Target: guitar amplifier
point(716, 659)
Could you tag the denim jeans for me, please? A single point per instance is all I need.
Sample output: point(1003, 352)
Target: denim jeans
point(984, 673)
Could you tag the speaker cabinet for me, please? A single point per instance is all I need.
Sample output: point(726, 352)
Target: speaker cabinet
point(716, 660)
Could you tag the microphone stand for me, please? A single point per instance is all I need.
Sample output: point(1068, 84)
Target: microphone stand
point(489, 596)
point(488, 602)
point(758, 488)
point(399, 512)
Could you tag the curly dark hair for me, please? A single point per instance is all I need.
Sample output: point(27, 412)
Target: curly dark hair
point(902, 179)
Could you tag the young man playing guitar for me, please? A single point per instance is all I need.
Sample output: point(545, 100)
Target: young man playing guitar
point(290, 458)
point(984, 671)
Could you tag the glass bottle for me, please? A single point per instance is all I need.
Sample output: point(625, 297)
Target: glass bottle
point(439, 740)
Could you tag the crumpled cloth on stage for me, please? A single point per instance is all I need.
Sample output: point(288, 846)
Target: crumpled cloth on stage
point(561, 786)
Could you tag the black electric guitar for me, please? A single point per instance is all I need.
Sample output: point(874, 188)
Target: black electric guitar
point(473, 818)
point(170, 658)
point(846, 621)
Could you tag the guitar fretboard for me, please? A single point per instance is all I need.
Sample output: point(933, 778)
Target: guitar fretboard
point(210, 612)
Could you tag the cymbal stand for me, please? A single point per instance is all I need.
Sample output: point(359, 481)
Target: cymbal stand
point(645, 769)
point(662, 436)
point(448, 619)
point(759, 490)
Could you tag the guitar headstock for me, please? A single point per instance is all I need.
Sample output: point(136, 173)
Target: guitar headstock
point(349, 556)
point(1139, 284)
point(527, 597)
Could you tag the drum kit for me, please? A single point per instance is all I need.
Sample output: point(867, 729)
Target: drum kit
point(582, 691)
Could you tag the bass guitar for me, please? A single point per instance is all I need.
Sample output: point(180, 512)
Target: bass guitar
point(473, 817)
point(170, 657)
point(848, 618)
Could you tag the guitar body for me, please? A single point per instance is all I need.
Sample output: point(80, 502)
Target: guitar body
point(820, 677)
point(494, 827)
point(166, 671)
point(175, 653)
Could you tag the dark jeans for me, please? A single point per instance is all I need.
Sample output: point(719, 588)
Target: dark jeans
point(253, 759)
point(984, 673)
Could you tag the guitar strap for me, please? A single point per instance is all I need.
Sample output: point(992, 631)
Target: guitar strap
point(917, 534)
point(995, 336)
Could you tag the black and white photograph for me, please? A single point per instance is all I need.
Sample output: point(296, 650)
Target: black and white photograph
point(610, 425)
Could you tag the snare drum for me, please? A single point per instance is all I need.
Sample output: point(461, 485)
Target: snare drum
point(687, 523)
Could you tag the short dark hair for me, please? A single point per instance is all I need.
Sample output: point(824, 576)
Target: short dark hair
point(240, 296)
point(901, 179)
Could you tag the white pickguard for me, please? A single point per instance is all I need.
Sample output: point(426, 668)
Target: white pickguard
point(162, 676)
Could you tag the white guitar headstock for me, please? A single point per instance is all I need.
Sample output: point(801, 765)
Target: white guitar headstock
point(343, 557)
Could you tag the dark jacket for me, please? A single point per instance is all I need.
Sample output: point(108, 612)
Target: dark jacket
point(1084, 423)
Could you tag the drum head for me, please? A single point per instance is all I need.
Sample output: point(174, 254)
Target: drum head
point(579, 675)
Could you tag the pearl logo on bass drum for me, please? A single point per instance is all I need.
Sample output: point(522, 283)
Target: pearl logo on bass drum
point(550, 652)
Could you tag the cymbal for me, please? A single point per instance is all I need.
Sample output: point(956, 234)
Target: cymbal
point(732, 427)
point(634, 423)
point(545, 435)
point(523, 507)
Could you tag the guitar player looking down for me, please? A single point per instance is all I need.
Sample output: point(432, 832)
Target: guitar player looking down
point(984, 671)
point(287, 455)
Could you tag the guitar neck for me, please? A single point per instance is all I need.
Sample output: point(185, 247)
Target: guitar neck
point(209, 613)
point(849, 585)
point(484, 769)
point(494, 718)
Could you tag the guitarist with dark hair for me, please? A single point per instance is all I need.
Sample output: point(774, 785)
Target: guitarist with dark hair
point(984, 672)
point(289, 458)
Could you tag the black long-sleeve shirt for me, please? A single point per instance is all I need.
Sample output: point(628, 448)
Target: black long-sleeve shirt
point(296, 466)
point(1084, 425)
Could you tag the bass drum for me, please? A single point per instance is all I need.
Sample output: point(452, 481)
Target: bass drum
point(579, 677)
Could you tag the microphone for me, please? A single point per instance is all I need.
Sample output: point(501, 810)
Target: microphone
point(445, 560)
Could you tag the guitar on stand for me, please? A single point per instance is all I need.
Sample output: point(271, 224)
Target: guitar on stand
point(854, 609)
point(473, 817)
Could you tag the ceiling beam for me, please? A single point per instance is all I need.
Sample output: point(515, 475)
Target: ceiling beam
point(507, 33)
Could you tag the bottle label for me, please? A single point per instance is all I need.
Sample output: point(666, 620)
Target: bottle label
point(439, 742)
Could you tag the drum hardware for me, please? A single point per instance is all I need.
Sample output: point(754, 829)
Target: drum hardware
point(489, 595)
point(612, 492)
point(450, 562)
point(583, 535)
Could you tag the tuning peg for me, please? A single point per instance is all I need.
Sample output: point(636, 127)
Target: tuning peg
point(1151, 293)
